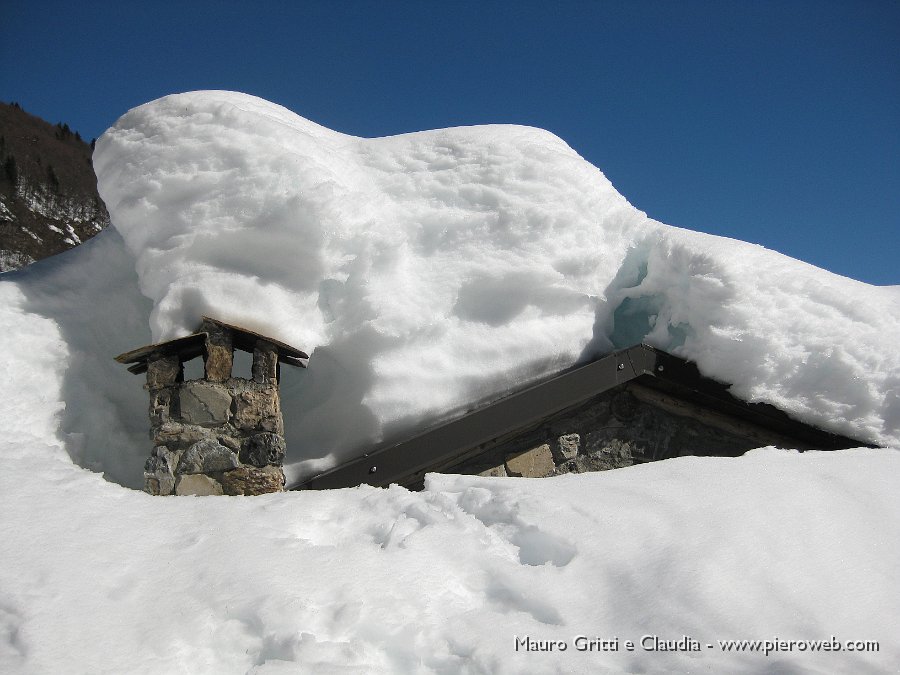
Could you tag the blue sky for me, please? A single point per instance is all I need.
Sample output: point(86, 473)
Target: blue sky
point(772, 122)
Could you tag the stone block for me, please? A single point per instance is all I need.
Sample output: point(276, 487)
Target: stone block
point(159, 478)
point(534, 463)
point(218, 363)
point(151, 485)
point(197, 484)
point(567, 447)
point(247, 480)
point(207, 456)
point(254, 408)
point(162, 371)
point(273, 424)
point(204, 403)
point(174, 434)
point(160, 409)
point(263, 449)
point(495, 472)
point(219, 357)
point(265, 362)
point(167, 432)
point(614, 454)
point(230, 442)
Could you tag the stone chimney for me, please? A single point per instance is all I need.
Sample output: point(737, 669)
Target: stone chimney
point(219, 434)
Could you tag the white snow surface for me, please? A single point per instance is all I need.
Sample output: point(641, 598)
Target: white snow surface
point(427, 272)
point(96, 578)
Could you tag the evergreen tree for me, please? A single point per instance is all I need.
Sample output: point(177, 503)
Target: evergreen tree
point(52, 178)
point(63, 131)
point(11, 170)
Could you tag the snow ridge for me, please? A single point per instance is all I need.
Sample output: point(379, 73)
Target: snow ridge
point(431, 270)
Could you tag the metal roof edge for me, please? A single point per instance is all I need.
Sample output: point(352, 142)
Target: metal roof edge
point(403, 461)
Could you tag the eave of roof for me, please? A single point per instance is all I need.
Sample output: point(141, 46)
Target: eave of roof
point(191, 346)
point(245, 339)
point(188, 346)
point(406, 462)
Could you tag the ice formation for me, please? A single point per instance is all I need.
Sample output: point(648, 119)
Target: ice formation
point(429, 271)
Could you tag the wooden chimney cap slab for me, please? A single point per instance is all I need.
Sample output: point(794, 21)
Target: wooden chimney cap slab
point(191, 346)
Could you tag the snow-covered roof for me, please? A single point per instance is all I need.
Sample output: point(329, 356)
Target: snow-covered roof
point(438, 449)
point(434, 269)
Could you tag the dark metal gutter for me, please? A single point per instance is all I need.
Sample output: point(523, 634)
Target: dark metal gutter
point(406, 462)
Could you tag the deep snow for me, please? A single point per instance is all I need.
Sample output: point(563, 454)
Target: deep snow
point(426, 272)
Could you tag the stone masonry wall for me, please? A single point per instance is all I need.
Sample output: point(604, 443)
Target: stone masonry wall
point(627, 425)
point(219, 435)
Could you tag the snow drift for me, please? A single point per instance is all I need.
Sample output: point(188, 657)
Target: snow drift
point(772, 546)
point(426, 272)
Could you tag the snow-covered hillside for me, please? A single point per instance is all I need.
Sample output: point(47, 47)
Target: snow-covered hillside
point(48, 191)
point(424, 273)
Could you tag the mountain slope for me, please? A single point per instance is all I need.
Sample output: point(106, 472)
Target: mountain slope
point(48, 191)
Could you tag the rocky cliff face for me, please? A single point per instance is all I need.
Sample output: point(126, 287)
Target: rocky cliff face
point(48, 191)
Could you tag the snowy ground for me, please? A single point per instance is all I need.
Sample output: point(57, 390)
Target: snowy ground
point(424, 272)
point(771, 546)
